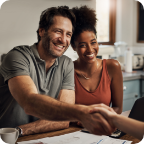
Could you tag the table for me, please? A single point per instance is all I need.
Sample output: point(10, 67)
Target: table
point(72, 128)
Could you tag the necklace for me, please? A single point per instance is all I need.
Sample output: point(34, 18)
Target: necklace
point(91, 74)
point(85, 77)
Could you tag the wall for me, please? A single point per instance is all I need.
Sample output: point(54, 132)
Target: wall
point(19, 20)
point(126, 25)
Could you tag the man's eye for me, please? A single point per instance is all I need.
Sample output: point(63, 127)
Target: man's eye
point(69, 35)
point(93, 43)
point(58, 31)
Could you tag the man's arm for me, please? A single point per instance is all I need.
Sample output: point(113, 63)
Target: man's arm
point(67, 96)
point(41, 126)
point(25, 93)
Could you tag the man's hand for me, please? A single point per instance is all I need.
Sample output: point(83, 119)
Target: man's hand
point(95, 123)
point(107, 112)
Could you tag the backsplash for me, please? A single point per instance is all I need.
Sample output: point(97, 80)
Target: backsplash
point(138, 50)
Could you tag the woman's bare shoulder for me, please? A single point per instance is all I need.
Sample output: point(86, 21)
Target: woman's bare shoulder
point(112, 63)
point(113, 67)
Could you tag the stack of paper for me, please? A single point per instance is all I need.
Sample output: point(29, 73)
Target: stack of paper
point(77, 138)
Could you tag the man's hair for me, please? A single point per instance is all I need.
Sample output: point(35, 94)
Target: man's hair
point(85, 21)
point(46, 18)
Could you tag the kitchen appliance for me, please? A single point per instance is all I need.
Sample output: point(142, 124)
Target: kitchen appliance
point(137, 61)
point(120, 49)
point(128, 64)
point(105, 51)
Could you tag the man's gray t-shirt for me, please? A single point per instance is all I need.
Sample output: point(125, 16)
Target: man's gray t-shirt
point(25, 60)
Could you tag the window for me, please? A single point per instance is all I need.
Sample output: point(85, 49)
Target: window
point(106, 15)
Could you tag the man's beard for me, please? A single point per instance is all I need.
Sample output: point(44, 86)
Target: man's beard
point(47, 48)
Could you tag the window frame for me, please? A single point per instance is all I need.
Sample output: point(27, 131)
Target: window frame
point(112, 24)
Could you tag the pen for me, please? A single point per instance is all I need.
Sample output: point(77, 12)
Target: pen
point(85, 130)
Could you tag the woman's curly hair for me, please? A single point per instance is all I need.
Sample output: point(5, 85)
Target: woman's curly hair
point(85, 21)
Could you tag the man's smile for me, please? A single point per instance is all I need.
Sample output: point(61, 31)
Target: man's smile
point(59, 47)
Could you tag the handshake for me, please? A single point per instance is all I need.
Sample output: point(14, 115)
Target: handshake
point(103, 120)
point(100, 119)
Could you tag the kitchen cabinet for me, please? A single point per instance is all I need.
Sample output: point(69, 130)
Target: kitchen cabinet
point(142, 87)
point(131, 92)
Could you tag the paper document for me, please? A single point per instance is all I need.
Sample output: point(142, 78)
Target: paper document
point(126, 113)
point(77, 138)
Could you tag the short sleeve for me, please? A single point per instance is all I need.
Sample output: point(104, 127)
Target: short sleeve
point(68, 80)
point(14, 64)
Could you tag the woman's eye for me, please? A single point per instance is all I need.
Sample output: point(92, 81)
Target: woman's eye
point(81, 46)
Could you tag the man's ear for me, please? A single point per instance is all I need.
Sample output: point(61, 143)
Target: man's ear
point(41, 32)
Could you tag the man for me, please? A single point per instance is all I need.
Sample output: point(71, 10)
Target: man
point(37, 82)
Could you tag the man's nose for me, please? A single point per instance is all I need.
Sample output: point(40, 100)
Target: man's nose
point(63, 39)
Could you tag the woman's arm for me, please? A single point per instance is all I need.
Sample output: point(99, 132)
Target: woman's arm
point(128, 125)
point(115, 73)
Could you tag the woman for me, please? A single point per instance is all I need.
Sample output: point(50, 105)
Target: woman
point(96, 80)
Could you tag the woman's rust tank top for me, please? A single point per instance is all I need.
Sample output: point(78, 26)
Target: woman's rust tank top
point(102, 94)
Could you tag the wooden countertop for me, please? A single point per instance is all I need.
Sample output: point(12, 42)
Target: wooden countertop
point(72, 128)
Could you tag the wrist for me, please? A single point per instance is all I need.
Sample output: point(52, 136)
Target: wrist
point(81, 112)
point(20, 131)
point(115, 119)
